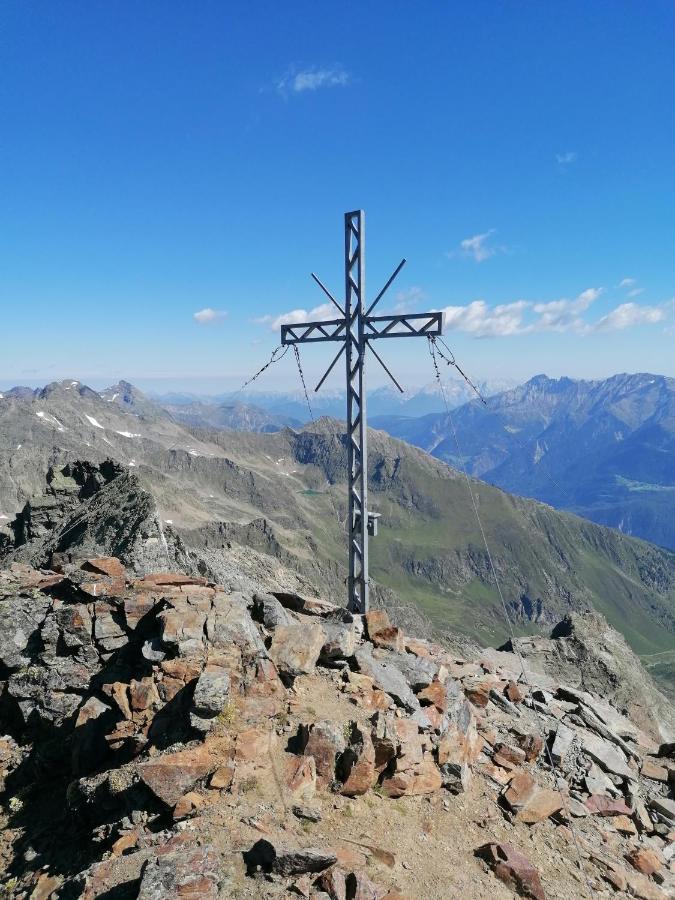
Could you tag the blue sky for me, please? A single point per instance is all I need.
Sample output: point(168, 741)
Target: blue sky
point(159, 159)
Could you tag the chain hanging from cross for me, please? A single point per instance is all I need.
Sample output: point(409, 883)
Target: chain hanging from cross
point(356, 329)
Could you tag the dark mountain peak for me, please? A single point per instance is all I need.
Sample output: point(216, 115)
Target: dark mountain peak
point(67, 386)
point(546, 383)
point(20, 392)
point(123, 391)
point(133, 400)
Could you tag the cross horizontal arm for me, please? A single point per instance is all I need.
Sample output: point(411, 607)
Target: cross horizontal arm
point(310, 332)
point(411, 325)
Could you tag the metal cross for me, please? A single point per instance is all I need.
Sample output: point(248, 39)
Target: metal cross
point(356, 329)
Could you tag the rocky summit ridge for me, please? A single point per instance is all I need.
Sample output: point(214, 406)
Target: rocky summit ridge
point(283, 495)
point(166, 736)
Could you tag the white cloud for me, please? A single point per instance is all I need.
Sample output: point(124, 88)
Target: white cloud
point(312, 79)
point(319, 314)
point(520, 317)
point(476, 246)
point(566, 159)
point(209, 316)
point(627, 282)
point(564, 315)
point(628, 315)
point(479, 319)
point(408, 300)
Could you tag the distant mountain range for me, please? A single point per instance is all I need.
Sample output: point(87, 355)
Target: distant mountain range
point(602, 449)
point(288, 407)
point(229, 416)
point(283, 494)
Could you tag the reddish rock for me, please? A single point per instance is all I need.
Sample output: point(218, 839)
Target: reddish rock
point(421, 778)
point(434, 694)
point(301, 777)
point(601, 805)
point(177, 673)
point(126, 842)
point(375, 620)
point(478, 691)
point(265, 681)
point(324, 742)
point(418, 648)
point(295, 648)
point(642, 887)
point(360, 776)
point(644, 860)
point(125, 735)
point(385, 740)
point(437, 719)
point(459, 748)
point(382, 633)
point(49, 581)
point(103, 878)
point(364, 693)
point(47, 886)
point(221, 780)
point(255, 745)
point(191, 874)
point(512, 692)
point(119, 693)
point(507, 756)
point(138, 604)
point(513, 868)
point(105, 565)
point(531, 744)
point(91, 709)
point(172, 775)
point(360, 887)
point(172, 579)
point(391, 638)
point(356, 766)
point(653, 770)
point(334, 883)
point(529, 801)
point(624, 825)
point(100, 586)
point(187, 805)
point(143, 694)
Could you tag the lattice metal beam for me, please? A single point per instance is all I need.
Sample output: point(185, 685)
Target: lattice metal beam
point(356, 330)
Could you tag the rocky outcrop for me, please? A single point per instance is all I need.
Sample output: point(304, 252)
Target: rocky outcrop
point(88, 510)
point(160, 731)
point(585, 652)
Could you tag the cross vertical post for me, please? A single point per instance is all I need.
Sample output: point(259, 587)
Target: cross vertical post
point(355, 330)
point(357, 435)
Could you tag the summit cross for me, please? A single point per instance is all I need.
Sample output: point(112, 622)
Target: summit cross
point(356, 329)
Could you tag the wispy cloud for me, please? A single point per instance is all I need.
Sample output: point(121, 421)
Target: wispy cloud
point(297, 81)
point(566, 159)
point(628, 315)
point(564, 315)
point(478, 247)
point(209, 316)
point(319, 314)
point(630, 285)
point(408, 300)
